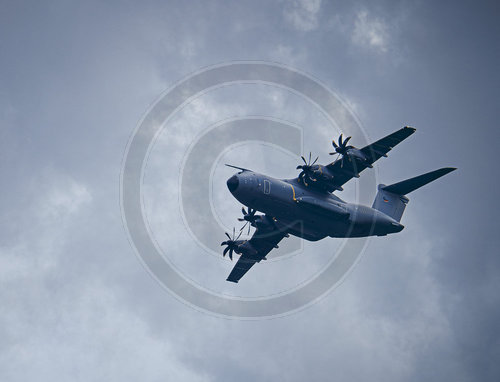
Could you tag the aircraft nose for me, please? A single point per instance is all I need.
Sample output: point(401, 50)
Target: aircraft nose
point(232, 183)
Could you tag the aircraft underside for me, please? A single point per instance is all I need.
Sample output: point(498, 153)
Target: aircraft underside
point(306, 207)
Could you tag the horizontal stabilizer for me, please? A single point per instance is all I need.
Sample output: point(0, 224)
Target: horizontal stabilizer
point(409, 185)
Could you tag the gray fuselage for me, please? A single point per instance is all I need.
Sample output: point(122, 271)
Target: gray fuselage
point(306, 212)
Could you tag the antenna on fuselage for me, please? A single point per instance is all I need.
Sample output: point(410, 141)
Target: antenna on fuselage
point(239, 168)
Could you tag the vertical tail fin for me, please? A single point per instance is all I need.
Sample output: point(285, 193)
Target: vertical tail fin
point(391, 200)
point(392, 205)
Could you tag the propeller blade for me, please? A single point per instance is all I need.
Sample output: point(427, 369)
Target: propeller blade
point(231, 254)
point(315, 160)
point(334, 144)
point(239, 235)
point(225, 251)
point(346, 140)
point(244, 225)
point(243, 210)
point(309, 158)
point(229, 237)
point(340, 140)
point(304, 159)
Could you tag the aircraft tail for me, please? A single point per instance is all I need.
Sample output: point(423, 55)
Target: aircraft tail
point(391, 200)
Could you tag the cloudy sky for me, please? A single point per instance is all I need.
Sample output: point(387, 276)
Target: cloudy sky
point(75, 301)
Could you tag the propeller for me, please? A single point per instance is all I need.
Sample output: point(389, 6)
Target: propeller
point(342, 149)
point(248, 217)
point(232, 244)
point(307, 169)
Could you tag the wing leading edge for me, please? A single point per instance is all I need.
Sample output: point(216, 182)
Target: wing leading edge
point(266, 237)
point(343, 172)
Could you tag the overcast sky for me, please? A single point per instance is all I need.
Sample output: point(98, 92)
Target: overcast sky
point(75, 301)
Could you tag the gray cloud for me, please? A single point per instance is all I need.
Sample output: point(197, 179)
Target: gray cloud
point(371, 33)
point(302, 14)
point(75, 302)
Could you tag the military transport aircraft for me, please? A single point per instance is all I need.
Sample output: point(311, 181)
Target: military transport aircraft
point(306, 207)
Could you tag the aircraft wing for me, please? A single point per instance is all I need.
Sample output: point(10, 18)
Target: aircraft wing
point(342, 173)
point(264, 239)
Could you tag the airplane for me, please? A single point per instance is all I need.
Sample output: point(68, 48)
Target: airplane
point(307, 208)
